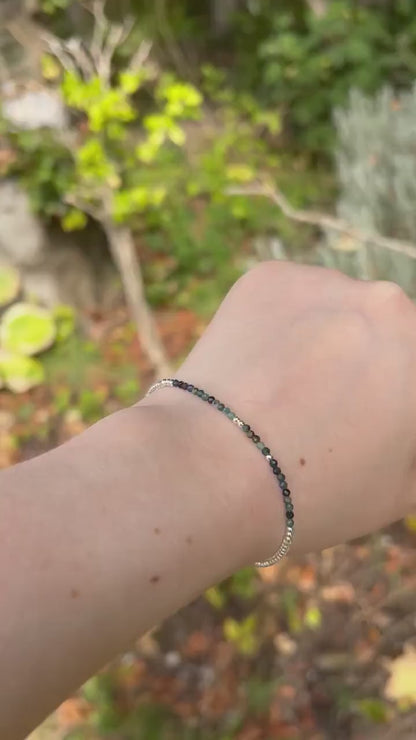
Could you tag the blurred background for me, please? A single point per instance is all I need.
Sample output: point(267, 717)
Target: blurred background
point(150, 153)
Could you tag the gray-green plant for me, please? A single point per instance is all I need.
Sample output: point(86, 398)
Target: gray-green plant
point(376, 167)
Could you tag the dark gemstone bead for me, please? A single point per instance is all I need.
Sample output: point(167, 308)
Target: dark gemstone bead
point(189, 387)
point(277, 471)
point(290, 515)
point(226, 411)
point(175, 383)
point(273, 462)
point(220, 407)
point(289, 506)
point(290, 523)
point(194, 391)
point(265, 451)
point(283, 484)
point(286, 492)
point(250, 434)
point(205, 396)
point(246, 428)
point(281, 477)
point(200, 393)
point(255, 438)
point(211, 399)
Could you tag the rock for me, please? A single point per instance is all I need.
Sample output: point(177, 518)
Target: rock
point(22, 237)
point(33, 109)
point(55, 267)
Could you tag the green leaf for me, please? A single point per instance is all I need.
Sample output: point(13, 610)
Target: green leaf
point(215, 597)
point(74, 220)
point(27, 329)
point(65, 322)
point(50, 68)
point(9, 285)
point(130, 81)
point(373, 709)
point(242, 634)
point(20, 374)
point(239, 173)
point(313, 617)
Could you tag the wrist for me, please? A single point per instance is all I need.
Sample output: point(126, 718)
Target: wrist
point(219, 462)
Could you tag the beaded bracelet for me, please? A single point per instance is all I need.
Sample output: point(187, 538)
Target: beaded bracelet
point(289, 509)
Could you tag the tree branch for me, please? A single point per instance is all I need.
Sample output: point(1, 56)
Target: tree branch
point(323, 220)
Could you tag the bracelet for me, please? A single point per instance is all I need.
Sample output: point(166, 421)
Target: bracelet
point(274, 465)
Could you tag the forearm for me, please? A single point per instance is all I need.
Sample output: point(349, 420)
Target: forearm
point(109, 534)
point(103, 538)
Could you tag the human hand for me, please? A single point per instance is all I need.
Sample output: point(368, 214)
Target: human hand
point(322, 367)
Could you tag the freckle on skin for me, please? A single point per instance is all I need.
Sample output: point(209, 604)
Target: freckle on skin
point(156, 530)
point(155, 579)
point(330, 449)
point(189, 540)
point(74, 593)
point(302, 461)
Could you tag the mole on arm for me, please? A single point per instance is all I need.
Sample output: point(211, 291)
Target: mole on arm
point(154, 579)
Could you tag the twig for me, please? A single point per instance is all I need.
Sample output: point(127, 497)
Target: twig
point(141, 56)
point(116, 36)
point(323, 220)
point(100, 28)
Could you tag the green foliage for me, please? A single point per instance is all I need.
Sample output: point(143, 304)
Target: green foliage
point(127, 391)
point(19, 373)
point(306, 63)
point(216, 597)
point(109, 172)
point(242, 634)
point(91, 404)
point(9, 285)
point(243, 583)
point(53, 6)
point(259, 695)
point(74, 220)
point(64, 317)
point(373, 709)
point(45, 168)
point(26, 329)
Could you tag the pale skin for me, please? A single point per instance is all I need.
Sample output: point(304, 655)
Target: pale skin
point(112, 532)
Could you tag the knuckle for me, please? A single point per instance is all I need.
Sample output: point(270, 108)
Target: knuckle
point(386, 296)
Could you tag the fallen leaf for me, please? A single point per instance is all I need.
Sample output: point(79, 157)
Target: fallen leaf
point(197, 644)
point(269, 575)
point(284, 644)
point(73, 712)
point(342, 593)
point(401, 686)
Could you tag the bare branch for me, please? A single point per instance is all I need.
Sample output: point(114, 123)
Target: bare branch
point(141, 56)
point(100, 28)
point(115, 37)
point(323, 220)
point(59, 50)
point(81, 205)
